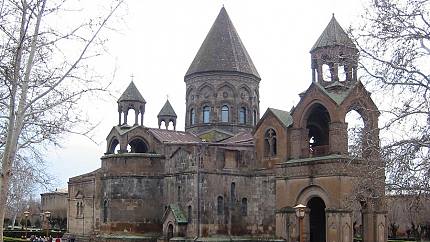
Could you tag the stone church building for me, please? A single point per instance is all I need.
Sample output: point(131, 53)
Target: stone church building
point(233, 174)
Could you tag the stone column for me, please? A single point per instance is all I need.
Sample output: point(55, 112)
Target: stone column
point(338, 138)
point(339, 225)
point(287, 224)
point(296, 135)
point(374, 226)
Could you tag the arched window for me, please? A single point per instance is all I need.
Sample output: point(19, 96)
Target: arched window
point(224, 114)
point(190, 213)
point(105, 211)
point(270, 144)
point(77, 209)
point(220, 205)
point(206, 114)
point(242, 115)
point(232, 191)
point(179, 193)
point(192, 116)
point(244, 207)
point(254, 117)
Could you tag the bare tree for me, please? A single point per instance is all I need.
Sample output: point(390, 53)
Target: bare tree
point(27, 175)
point(394, 42)
point(43, 63)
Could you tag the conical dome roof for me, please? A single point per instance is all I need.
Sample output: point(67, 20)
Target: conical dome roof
point(222, 50)
point(333, 35)
point(131, 94)
point(167, 110)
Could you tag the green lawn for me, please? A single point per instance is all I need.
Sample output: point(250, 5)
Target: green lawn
point(9, 239)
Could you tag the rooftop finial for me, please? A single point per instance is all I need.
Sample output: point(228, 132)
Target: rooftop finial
point(332, 15)
point(167, 97)
point(132, 76)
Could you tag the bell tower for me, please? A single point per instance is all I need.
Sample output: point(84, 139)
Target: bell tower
point(131, 99)
point(334, 56)
point(167, 114)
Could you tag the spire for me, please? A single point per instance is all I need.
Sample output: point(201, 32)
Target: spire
point(167, 110)
point(333, 35)
point(222, 50)
point(131, 94)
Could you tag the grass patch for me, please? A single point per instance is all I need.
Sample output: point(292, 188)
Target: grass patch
point(10, 239)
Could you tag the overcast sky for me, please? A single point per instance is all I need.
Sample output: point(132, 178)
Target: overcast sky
point(157, 41)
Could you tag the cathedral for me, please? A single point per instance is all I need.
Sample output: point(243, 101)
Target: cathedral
point(233, 174)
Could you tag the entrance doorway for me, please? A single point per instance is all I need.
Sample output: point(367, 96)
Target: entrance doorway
point(317, 219)
point(169, 231)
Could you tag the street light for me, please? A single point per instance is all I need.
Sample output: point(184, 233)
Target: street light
point(26, 213)
point(300, 213)
point(47, 215)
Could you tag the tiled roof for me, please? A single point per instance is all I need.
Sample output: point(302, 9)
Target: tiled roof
point(178, 213)
point(338, 94)
point(222, 50)
point(333, 35)
point(131, 94)
point(167, 110)
point(240, 138)
point(170, 136)
point(283, 116)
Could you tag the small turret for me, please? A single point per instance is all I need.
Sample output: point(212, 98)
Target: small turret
point(131, 99)
point(167, 115)
point(334, 56)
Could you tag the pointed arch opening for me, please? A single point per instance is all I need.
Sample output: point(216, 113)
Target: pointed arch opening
point(318, 124)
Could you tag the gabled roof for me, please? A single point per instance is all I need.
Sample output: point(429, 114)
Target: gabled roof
point(222, 50)
point(283, 117)
point(167, 110)
point(131, 94)
point(177, 212)
point(333, 35)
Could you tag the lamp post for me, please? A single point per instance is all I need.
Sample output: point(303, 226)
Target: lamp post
point(26, 213)
point(47, 216)
point(300, 213)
